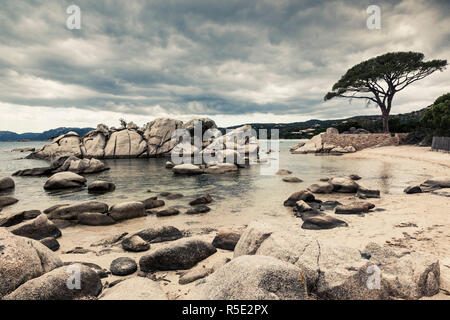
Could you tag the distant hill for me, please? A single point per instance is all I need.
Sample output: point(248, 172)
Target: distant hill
point(46, 135)
point(405, 122)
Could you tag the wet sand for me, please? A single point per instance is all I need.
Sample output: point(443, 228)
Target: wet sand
point(419, 222)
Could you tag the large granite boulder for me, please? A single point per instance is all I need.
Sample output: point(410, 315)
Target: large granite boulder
point(344, 273)
point(60, 284)
point(138, 288)
point(94, 142)
point(158, 134)
point(203, 124)
point(6, 183)
point(125, 144)
point(22, 259)
point(178, 255)
point(37, 228)
point(253, 278)
point(64, 180)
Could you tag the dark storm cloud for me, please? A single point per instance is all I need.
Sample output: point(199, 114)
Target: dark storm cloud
point(203, 57)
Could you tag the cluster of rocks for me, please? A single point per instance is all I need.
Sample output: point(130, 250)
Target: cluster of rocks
point(312, 210)
point(31, 271)
point(317, 145)
point(279, 262)
point(437, 185)
point(66, 164)
point(152, 140)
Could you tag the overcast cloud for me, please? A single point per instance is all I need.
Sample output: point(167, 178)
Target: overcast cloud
point(233, 61)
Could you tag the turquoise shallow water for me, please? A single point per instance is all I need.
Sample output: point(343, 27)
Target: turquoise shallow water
point(234, 192)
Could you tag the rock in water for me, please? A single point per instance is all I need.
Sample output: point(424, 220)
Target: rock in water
point(158, 134)
point(135, 244)
point(354, 208)
point(7, 201)
point(127, 210)
point(101, 187)
point(22, 259)
point(57, 285)
point(160, 234)
point(137, 288)
point(201, 200)
point(95, 219)
point(254, 278)
point(123, 266)
point(37, 228)
point(322, 222)
point(344, 185)
point(299, 195)
point(153, 203)
point(226, 240)
point(6, 183)
point(292, 179)
point(64, 180)
point(178, 255)
point(187, 169)
point(283, 172)
point(199, 209)
point(323, 187)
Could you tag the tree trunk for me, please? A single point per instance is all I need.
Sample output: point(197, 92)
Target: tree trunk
point(385, 122)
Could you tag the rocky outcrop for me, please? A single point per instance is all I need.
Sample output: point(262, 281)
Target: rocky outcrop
point(158, 134)
point(6, 184)
point(22, 259)
point(179, 255)
point(253, 278)
point(334, 143)
point(59, 285)
point(125, 144)
point(338, 272)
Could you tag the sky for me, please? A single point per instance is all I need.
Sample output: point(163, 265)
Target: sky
point(233, 61)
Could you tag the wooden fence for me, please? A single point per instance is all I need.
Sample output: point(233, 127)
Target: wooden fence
point(441, 143)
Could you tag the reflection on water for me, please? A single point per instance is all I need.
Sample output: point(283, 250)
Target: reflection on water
point(233, 192)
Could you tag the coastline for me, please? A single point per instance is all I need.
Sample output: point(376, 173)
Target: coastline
point(421, 225)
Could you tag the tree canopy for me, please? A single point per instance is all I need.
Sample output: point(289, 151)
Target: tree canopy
point(379, 78)
point(437, 117)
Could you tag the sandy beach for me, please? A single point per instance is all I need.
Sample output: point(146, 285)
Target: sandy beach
point(417, 222)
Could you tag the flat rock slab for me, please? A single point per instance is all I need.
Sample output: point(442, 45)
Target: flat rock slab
point(7, 201)
point(354, 208)
point(138, 288)
point(179, 255)
point(292, 179)
point(322, 222)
